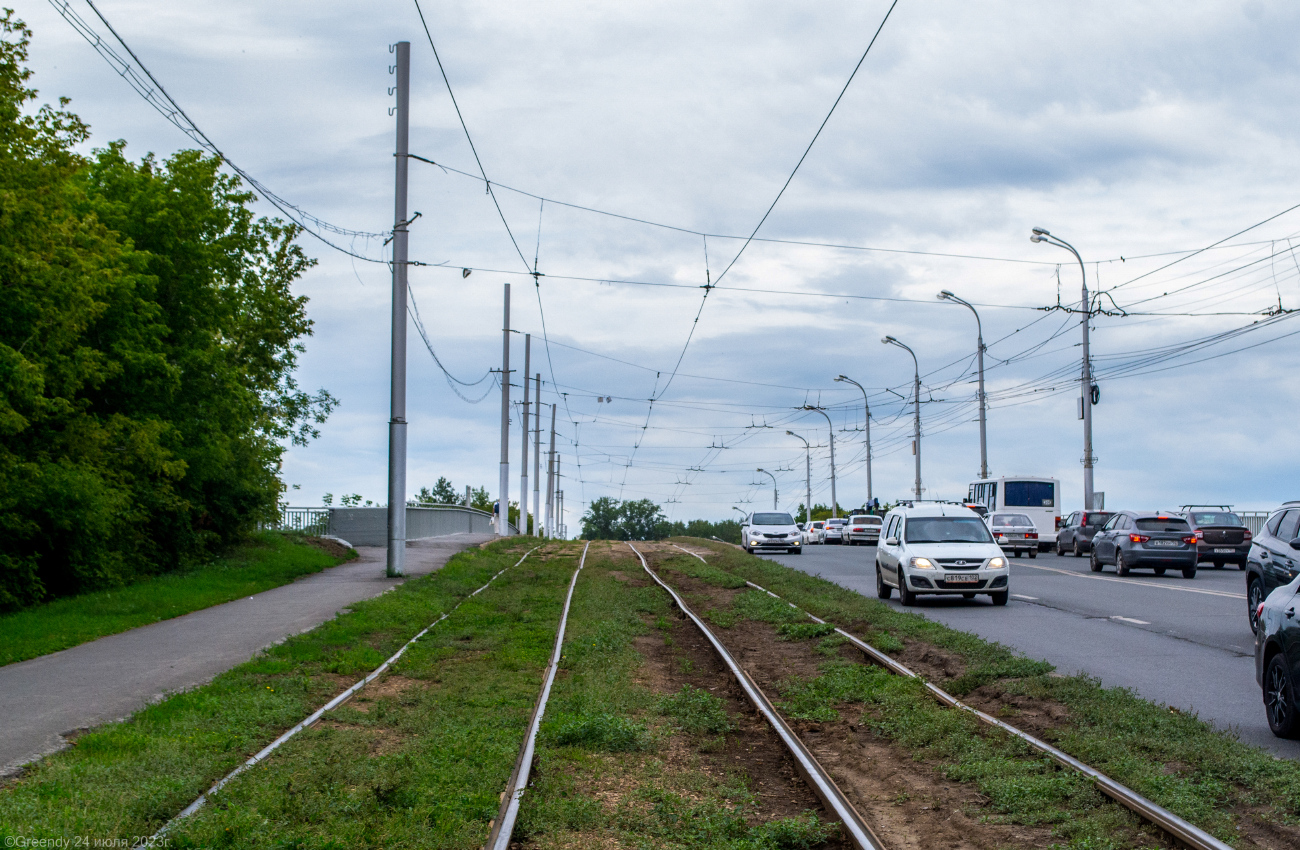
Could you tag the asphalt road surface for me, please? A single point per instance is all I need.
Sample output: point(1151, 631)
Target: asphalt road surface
point(1183, 643)
point(46, 698)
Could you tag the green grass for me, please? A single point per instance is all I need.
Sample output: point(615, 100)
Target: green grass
point(448, 745)
point(269, 560)
point(1173, 758)
point(660, 806)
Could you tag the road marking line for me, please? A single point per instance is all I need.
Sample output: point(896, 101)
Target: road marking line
point(1131, 581)
point(1130, 620)
point(1022, 596)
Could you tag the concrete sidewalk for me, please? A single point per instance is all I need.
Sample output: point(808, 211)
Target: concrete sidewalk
point(44, 698)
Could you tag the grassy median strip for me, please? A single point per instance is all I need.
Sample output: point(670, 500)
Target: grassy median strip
point(422, 752)
point(268, 560)
point(1242, 794)
point(632, 758)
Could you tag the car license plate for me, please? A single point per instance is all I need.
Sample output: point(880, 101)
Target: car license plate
point(1225, 551)
point(1014, 536)
point(960, 579)
point(1165, 543)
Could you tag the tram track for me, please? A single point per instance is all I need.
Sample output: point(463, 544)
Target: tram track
point(1184, 832)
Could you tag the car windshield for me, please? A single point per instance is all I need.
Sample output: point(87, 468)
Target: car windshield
point(1163, 523)
point(1013, 519)
point(1216, 519)
point(1097, 520)
point(947, 529)
point(773, 519)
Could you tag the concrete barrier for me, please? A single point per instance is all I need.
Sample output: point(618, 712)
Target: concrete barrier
point(369, 526)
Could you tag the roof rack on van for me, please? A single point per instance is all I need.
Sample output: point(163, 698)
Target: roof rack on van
point(1217, 507)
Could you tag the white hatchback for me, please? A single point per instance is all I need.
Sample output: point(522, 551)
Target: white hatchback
point(940, 549)
point(765, 531)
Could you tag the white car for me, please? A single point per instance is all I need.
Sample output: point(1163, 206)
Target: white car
point(939, 549)
point(1015, 533)
point(816, 533)
point(834, 531)
point(768, 531)
point(862, 530)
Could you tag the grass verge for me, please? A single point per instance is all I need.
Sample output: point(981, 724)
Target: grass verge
point(1242, 794)
point(417, 761)
point(268, 560)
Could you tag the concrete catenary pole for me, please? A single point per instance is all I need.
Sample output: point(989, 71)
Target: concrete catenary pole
point(537, 458)
point(396, 561)
point(1085, 379)
point(835, 505)
point(523, 458)
point(503, 483)
point(550, 480)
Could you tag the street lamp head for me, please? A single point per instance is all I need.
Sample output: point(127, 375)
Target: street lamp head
point(887, 340)
point(944, 295)
point(1035, 238)
point(1038, 231)
point(841, 378)
point(792, 434)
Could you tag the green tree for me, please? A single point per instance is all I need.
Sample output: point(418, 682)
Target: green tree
point(641, 520)
point(601, 521)
point(147, 349)
point(443, 493)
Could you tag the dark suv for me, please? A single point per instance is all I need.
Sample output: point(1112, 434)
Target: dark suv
point(1077, 531)
point(1221, 536)
point(1138, 539)
point(1273, 560)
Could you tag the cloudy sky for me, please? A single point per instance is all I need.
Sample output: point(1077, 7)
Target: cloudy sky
point(1139, 132)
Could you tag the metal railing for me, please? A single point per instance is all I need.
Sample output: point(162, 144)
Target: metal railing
point(306, 520)
point(1254, 520)
point(369, 526)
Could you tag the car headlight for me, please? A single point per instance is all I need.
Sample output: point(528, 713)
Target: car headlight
point(922, 564)
point(997, 563)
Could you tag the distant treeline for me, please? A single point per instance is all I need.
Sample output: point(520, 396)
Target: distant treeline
point(609, 519)
point(148, 339)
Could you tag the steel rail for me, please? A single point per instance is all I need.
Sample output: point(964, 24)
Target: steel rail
point(504, 825)
point(859, 833)
point(316, 715)
point(1186, 832)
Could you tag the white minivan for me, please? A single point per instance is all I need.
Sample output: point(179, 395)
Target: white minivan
point(766, 531)
point(942, 549)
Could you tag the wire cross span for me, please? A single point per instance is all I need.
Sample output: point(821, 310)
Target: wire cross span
point(153, 93)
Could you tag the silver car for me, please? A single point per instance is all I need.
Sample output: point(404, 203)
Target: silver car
point(834, 530)
point(767, 531)
point(862, 530)
point(941, 549)
point(1015, 533)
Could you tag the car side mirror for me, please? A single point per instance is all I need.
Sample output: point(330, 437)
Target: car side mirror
point(891, 541)
point(1295, 544)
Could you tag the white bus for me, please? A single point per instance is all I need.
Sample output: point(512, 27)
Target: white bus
point(1038, 498)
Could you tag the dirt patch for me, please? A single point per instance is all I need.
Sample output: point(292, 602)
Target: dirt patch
point(1041, 718)
point(929, 661)
point(385, 687)
point(333, 548)
point(380, 740)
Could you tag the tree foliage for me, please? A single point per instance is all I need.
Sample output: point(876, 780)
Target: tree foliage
point(147, 347)
point(609, 519)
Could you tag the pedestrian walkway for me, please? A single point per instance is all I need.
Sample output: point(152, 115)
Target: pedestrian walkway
point(43, 699)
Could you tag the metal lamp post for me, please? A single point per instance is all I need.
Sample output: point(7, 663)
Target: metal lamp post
point(916, 399)
point(807, 477)
point(1085, 381)
point(945, 295)
point(773, 477)
point(835, 505)
point(866, 426)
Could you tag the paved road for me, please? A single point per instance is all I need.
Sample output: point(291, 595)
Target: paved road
point(45, 698)
point(1180, 642)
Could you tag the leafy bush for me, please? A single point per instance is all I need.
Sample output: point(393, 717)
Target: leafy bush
point(607, 732)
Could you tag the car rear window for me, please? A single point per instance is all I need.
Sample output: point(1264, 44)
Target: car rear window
point(837, 522)
point(1098, 518)
point(1217, 519)
point(773, 519)
point(947, 529)
point(1012, 519)
point(1163, 524)
point(819, 525)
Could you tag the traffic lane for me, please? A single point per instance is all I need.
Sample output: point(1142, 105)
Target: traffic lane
point(1217, 684)
point(1209, 610)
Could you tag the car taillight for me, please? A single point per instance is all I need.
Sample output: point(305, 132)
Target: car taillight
point(1031, 535)
point(1259, 611)
point(1200, 535)
point(1191, 538)
point(1139, 538)
point(1248, 535)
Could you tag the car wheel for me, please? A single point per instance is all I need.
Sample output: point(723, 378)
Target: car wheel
point(1001, 597)
point(905, 594)
point(1160, 571)
point(1254, 596)
point(1218, 565)
point(1078, 550)
point(883, 590)
point(1060, 550)
point(1279, 699)
point(1189, 572)
point(1121, 567)
point(797, 551)
point(1241, 565)
point(1033, 553)
point(1093, 563)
